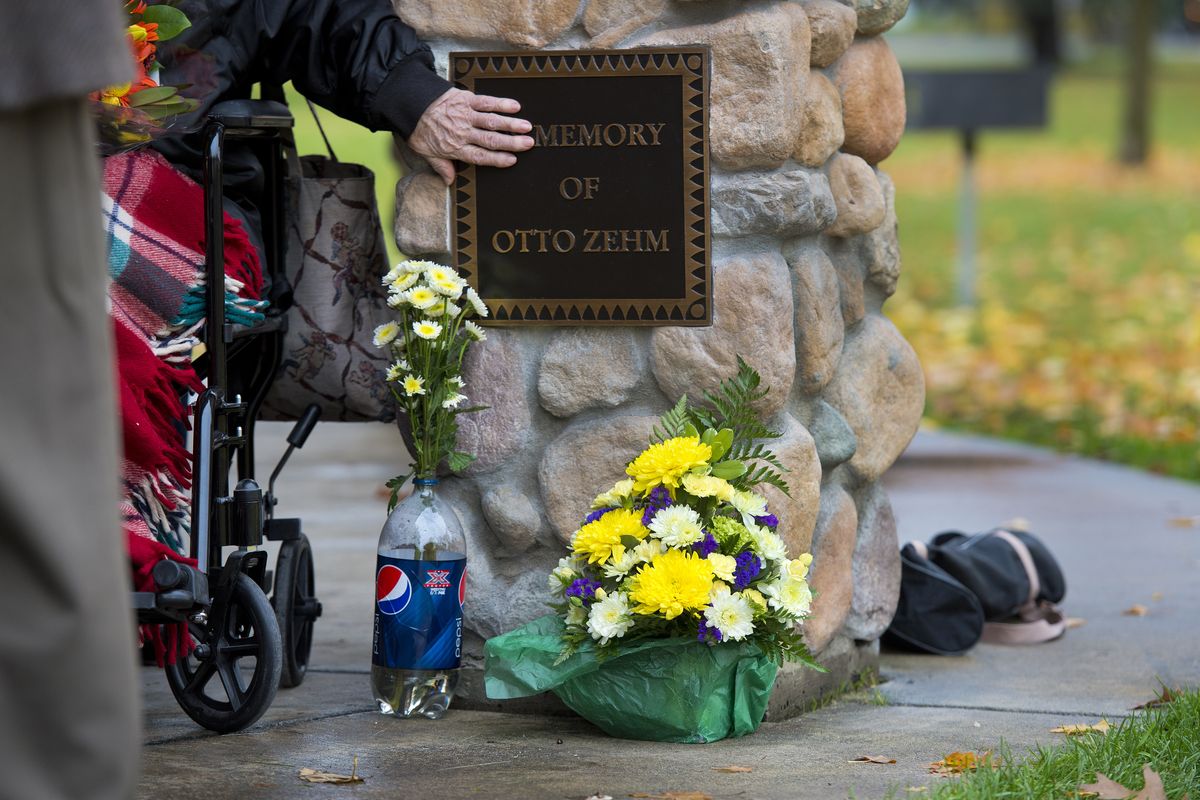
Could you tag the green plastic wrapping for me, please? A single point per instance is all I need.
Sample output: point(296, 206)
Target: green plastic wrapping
point(662, 690)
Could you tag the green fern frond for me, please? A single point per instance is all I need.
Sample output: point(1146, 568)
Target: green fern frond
point(672, 423)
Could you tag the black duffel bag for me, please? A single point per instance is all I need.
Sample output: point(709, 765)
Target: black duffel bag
point(1000, 586)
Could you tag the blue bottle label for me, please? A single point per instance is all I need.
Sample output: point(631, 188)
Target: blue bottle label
point(418, 613)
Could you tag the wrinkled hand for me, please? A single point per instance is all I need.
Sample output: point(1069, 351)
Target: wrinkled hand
point(469, 127)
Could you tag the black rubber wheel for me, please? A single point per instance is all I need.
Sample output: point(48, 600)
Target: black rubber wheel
point(296, 608)
point(242, 653)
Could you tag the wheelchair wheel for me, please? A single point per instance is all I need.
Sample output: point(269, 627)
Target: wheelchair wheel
point(230, 679)
point(296, 608)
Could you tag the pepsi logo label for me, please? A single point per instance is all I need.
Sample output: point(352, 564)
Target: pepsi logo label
point(393, 590)
point(462, 588)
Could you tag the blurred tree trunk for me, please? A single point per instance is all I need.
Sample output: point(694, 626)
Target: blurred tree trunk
point(1040, 19)
point(1135, 127)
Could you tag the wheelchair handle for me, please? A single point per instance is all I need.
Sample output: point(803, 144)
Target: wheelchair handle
point(304, 426)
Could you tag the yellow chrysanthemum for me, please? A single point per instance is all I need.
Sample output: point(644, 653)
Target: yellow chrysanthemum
point(708, 486)
point(601, 540)
point(614, 496)
point(665, 463)
point(674, 582)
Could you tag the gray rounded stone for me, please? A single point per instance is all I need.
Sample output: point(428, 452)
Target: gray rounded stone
point(588, 368)
point(880, 391)
point(587, 459)
point(832, 573)
point(495, 378)
point(794, 202)
point(877, 16)
point(876, 567)
point(752, 317)
point(796, 510)
point(859, 197)
point(833, 25)
point(513, 516)
point(818, 315)
point(422, 214)
point(852, 275)
point(880, 249)
point(822, 132)
point(835, 440)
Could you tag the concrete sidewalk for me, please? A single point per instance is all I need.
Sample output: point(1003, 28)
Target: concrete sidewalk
point(1109, 526)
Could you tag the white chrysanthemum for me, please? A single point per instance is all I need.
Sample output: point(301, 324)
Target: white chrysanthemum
point(427, 329)
point(476, 302)
point(722, 566)
point(386, 333)
point(798, 567)
point(396, 371)
point(577, 615)
point(436, 273)
point(474, 331)
point(421, 296)
point(749, 505)
point(436, 309)
point(731, 614)
point(451, 290)
point(610, 618)
point(397, 299)
point(648, 548)
point(614, 496)
point(767, 544)
point(708, 486)
point(393, 274)
point(403, 282)
point(446, 308)
point(789, 595)
point(565, 571)
point(619, 567)
point(416, 266)
point(456, 382)
point(413, 385)
point(677, 526)
point(453, 401)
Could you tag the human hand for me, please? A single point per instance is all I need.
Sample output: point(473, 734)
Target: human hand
point(469, 127)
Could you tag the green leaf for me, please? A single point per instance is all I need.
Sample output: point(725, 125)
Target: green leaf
point(729, 470)
point(171, 21)
point(672, 423)
point(690, 430)
point(721, 443)
point(152, 95)
point(458, 461)
point(707, 436)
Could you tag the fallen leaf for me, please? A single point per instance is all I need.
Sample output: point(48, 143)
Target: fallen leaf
point(733, 768)
point(954, 763)
point(916, 789)
point(598, 796)
point(1184, 522)
point(1078, 730)
point(674, 796)
point(1018, 524)
point(872, 760)
point(1156, 597)
point(1167, 695)
point(1105, 788)
point(1136, 610)
point(1075, 622)
point(320, 776)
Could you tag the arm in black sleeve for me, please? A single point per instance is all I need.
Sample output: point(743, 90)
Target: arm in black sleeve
point(354, 57)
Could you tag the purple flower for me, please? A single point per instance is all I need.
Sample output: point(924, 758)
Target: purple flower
point(583, 588)
point(769, 520)
point(658, 499)
point(597, 514)
point(706, 545)
point(708, 633)
point(747, 569)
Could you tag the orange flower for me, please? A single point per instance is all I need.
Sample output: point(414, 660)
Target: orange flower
point(116, 95)
point(141, 38)
point(135, 7)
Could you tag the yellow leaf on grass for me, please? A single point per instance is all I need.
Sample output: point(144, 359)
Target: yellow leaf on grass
point(872, 760)
point(958, 762)
point(1166, 696)
point(1078, 730)
point(733, 768)
point(673, 796)
point(1136, 610)
point(1185, 522)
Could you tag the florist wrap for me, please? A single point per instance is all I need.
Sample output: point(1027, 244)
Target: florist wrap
point(678, 601)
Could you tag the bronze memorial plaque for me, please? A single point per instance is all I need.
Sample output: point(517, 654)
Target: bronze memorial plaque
point(605, 220)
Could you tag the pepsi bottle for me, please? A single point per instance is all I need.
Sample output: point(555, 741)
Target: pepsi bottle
point(420, 586)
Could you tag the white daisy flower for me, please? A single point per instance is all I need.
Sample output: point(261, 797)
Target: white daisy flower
point(422, 296)
point(427, 329)
point(453, 401)
point(749, 505)
point(476, 302)
point(474, 331)
point(610, 618)
point(577, 615)
point(415, 266)
point(385, 333)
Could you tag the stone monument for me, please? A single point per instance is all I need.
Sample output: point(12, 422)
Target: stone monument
point(806, 99)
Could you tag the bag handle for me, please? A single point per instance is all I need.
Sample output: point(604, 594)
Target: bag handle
point(317, 119)
point(1039, 622)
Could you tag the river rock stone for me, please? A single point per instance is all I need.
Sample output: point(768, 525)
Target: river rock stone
point(797, 510)
point(525, 23)
point(584, 461)
point(794, 202)
point(422, 214)
point(821, 132)
point(852, 275)
point(588, 368)
point(752, 317)
point(876, 568)
point(833, 25)
point(880, 391)
point(881, 247)
point(873, 109)
point(513, 516)
point(877, 16)
point(856, 192)
point(818, 315)
point(609, 21)
point(833, 436)
point(759, 70)
point(494, 378)
point(831, 577)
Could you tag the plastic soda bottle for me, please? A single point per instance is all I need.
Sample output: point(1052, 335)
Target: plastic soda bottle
point(420, 587)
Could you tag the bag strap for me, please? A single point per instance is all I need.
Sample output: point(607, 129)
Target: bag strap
point(313, 110)
point(1039, 622)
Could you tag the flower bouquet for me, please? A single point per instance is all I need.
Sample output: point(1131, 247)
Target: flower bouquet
point(678, 601)
point(131, 114)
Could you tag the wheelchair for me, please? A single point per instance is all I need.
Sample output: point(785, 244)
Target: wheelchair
point(246, 646)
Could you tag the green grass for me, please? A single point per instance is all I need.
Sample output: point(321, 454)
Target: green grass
point(1166, 738)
